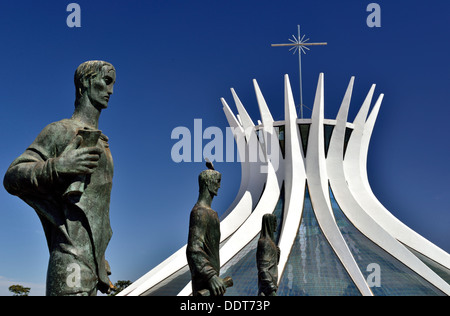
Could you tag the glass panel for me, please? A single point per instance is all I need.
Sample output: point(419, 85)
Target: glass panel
point(242, 267)
point(280, 131)
point(313, 269)
point(348, 133)
point(260, 135)
point(387, 275)
point(328, 131)
point(279, 213)
point(439, 269)
point(304, 134)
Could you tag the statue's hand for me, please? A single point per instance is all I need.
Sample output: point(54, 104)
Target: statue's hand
point(217, 286)
point(74, 160)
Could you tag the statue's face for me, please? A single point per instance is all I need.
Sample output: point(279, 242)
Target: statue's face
point(101, 87)
point(214, 186)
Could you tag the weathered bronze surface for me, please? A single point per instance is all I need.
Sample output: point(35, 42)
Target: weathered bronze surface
point(66, 176)
point(228, 281)
point(204, 237)
point(267, 257)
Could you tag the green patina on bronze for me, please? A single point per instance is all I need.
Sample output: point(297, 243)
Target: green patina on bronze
point(66, 176)
point(268, 257)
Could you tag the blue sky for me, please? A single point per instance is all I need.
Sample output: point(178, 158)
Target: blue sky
point(174, 61)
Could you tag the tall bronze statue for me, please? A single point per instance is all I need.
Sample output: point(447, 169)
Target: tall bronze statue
point(268, 257)
point(66, 176)
point(204, 237)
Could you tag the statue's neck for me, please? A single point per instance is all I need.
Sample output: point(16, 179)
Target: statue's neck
point(205, 199)
point(86, 113)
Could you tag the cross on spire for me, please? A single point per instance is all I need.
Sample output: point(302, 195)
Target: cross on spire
point(299, 45)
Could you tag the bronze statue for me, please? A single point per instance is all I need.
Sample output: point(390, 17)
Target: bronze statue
point(267, 257)
point(204, 237)
point(66, 176)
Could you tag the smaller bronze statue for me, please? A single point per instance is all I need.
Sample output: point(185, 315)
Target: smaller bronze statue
point(204, 238)
point(267, 257)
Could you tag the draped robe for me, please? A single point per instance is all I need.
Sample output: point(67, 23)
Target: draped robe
point(77, 232)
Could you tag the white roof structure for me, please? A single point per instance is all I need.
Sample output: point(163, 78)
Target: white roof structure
point(335, 237)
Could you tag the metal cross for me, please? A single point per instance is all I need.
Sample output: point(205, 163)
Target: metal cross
point(299, 45)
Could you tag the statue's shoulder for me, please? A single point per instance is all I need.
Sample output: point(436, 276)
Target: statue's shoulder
point(55, 135)
point(204, 214)
point(60, 127)
point(202, 211)
point(198, 209)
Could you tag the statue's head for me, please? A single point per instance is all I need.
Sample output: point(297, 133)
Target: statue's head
point(269, 225)
point(95, 79)
point(209, 180)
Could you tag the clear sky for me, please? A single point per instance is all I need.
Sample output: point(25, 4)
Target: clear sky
point(174, 61)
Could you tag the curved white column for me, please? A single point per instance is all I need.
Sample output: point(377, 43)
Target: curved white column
point(239, 135)
point(318, 188)
point(271, 146)
point(360, 188)
point(253, 153)
point(294, 178)
point(252, 182)
point(355, 213)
